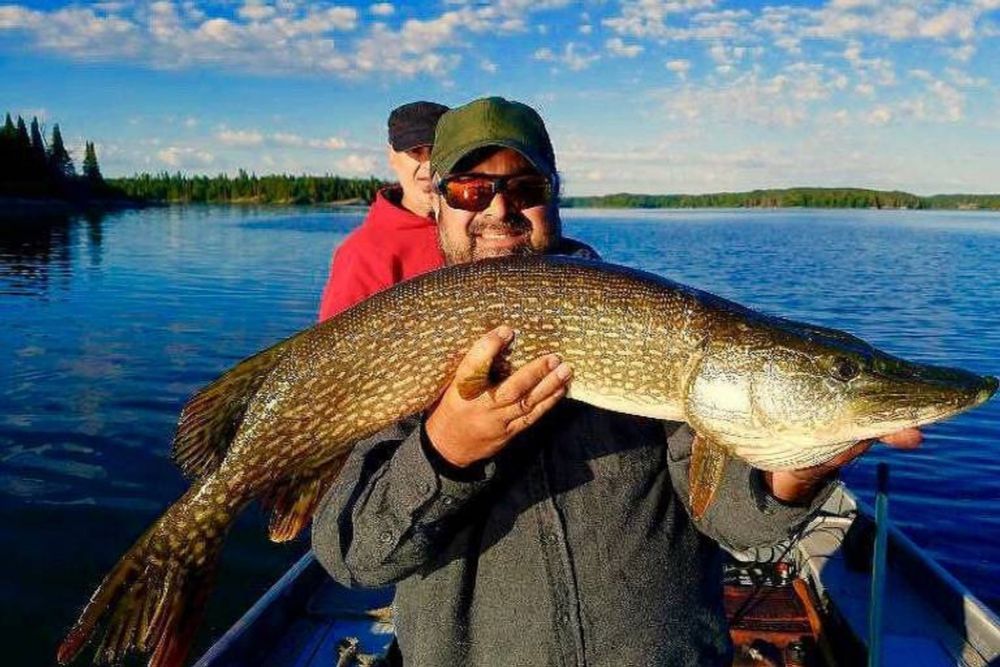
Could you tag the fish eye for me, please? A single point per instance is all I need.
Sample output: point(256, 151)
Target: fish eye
point(844, 369)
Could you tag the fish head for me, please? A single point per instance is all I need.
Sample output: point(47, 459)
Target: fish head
point(785, 395)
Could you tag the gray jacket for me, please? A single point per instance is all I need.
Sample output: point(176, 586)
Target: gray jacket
point(573, 546)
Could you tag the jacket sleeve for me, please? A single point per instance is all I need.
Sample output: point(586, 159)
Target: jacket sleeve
point(391, 506)
point(743, 514)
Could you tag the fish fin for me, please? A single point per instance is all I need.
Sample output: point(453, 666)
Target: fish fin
point(153, 599)
point(210, 420)
point(292, 502)
point(708, 463)
point(486, 376)
point(471, 386)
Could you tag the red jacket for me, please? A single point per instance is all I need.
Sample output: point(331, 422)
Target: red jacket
point(391, 245)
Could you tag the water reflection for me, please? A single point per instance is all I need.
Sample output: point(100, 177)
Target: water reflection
point(37, 252)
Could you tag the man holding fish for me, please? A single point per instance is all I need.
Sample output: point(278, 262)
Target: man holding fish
point(518, 527)
point(522, 529)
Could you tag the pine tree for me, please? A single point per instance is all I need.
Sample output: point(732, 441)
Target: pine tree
point(91, 170)
point(60, 162)
point(23, 139)
point(8, 139)
point(22, 149)
point(37, 143)
point(39, 161)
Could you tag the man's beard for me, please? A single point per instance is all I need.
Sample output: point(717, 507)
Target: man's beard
point(514, 225)
point(467, 249)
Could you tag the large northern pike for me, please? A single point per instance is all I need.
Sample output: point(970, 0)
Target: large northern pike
point(277, 427)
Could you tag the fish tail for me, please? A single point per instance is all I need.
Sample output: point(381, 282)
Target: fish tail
point(153, 599)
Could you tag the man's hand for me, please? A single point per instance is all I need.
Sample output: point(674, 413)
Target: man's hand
point(797, 486)
point(467, 430)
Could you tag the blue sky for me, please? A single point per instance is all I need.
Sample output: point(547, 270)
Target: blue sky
point(639, 96)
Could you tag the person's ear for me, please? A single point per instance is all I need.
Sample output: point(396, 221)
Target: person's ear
point(435, 197)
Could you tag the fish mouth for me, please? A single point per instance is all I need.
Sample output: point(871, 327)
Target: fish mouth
point(934, 395)
point(990, 386)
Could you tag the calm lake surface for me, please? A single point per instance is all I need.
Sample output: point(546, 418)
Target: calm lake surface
point(110, 324)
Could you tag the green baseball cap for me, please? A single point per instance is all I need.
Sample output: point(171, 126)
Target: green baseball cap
point(492, 121)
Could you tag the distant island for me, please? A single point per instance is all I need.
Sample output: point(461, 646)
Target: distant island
point(791, 198)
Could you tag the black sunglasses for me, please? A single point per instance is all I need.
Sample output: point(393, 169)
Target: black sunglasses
point(474, 192)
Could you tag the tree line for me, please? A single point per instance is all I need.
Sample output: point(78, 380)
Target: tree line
point(789, 197)
point(32, 167)
point(247, 187)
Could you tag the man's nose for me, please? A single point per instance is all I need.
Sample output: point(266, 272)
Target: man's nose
point(499, 207)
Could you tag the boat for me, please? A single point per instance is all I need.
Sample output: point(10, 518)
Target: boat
point(802, 603)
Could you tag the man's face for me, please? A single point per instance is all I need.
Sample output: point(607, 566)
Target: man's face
point(412, 169)
point(501, 229)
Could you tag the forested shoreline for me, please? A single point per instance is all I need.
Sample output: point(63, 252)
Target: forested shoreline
point(33, 169)
point(791, 198)
point(37, 175)
point(287, 189)
point(248, 188)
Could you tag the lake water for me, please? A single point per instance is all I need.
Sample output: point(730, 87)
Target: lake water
point(108, 325)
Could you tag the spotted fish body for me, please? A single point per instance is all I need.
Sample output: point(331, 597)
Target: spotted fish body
point(278, 426)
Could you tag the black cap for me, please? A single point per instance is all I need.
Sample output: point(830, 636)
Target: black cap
point(412, 125)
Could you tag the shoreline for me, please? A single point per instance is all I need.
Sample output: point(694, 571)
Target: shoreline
point(21, 207)
point(13, 208)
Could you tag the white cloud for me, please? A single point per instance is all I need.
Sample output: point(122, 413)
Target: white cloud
point(865, 89)
point(646, 18)
point(962, 53)
point(788, 98)
point(75, 30)
point(900, 20)
point(256, 10)
point(355, 164)
point(488, 66)
point(330, 143)
point(960, 78)
point(951, 22)
point(240, 137)
point(180, 157)
point(879, 115)
point(255, 138)
point(295, 37)
point(617, 47)
point(680, 67)
point(288, 139)
point(264, 37)
point(574, 56)
point(949, 101)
